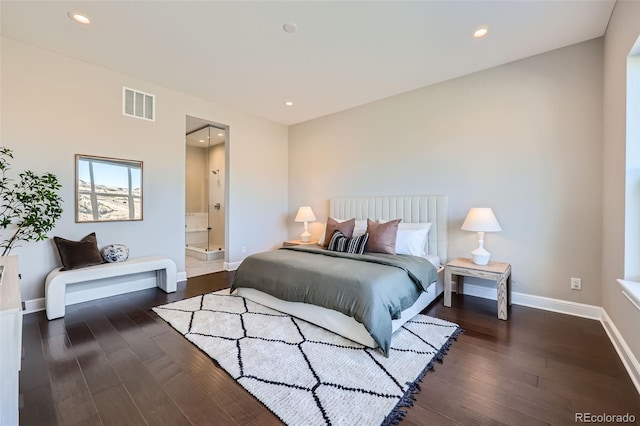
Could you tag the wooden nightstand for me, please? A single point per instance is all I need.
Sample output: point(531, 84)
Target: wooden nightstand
point(495, 271)
point(298, 243)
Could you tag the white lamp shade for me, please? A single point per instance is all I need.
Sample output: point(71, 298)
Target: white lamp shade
point(481, 219)
point(305, 214)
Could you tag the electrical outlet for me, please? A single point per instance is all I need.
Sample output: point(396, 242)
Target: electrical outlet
point(576, 283)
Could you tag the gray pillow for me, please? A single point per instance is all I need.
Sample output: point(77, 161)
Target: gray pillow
point(382, 236)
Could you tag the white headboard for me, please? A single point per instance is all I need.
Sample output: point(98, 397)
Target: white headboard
point(412, 209)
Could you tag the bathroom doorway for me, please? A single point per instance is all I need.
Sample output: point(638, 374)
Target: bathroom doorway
point(205, 193)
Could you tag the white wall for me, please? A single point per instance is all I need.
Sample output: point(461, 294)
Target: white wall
point(54, 107)
point(622, 33)
point(523, 138)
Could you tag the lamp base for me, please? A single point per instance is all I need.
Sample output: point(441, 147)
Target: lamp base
point(480, 256)
point(305, 236)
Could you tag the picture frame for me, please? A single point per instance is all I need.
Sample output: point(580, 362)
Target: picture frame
point(108, 189)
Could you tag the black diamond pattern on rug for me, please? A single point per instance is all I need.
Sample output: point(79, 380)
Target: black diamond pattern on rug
point(304, 374)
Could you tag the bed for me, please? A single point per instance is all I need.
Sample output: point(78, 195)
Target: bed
point(411, 209)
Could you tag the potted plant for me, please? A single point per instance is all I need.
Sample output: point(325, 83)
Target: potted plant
point(29, 207)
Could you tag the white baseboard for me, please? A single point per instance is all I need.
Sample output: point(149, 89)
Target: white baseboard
point(34, 305)
point(557, 305)
point(231, 266)
point(629, 361)
point(477, 291)
point(181, 277)
point(538, 302)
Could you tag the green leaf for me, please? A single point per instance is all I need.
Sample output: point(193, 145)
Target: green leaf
point(32, 204)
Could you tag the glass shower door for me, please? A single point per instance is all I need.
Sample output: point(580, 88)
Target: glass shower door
point(197, 225)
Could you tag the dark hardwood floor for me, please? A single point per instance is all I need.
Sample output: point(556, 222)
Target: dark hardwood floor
point(114, 362)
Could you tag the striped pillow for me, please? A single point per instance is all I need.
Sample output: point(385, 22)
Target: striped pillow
point(341, 243)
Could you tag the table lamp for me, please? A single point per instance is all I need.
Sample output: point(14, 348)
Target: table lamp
point(305, 214)
point(481, 220)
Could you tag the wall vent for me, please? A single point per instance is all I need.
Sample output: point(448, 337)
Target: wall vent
point(138, 104)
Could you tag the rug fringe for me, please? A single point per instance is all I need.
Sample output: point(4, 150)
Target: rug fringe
point(397, 414)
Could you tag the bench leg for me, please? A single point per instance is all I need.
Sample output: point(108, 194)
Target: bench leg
point(167, 280)
point(55, 302)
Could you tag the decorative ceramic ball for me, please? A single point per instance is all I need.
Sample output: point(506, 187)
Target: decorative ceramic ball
point(115, 253)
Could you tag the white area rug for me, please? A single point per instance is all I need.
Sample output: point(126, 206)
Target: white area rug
point(305, 374)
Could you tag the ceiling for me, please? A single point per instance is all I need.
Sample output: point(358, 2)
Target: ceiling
point(343, 54)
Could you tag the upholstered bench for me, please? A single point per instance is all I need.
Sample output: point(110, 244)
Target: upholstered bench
point(57, 280)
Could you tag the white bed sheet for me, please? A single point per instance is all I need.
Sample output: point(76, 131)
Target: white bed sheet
point(435, 260)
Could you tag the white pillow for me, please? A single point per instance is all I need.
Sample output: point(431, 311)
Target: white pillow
point(360, 228)
point(411, 241)
point(411, 238)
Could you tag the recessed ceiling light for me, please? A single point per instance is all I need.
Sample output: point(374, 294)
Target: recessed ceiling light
point(79, 18)
point(201, 141)
point(289, 103)
point(290, 27)
point(481, 32)
point(220, 134)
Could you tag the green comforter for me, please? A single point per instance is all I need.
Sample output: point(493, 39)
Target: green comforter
point(372, 288)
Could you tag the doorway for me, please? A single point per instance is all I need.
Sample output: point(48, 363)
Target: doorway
point(205, 196)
